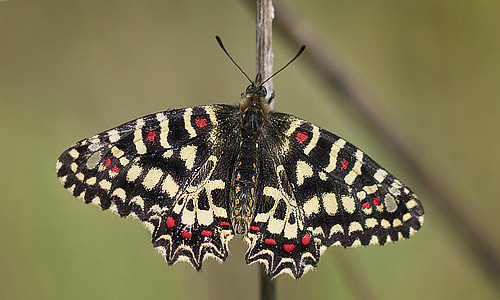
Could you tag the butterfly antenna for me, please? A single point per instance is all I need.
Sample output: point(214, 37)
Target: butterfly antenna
point(225, 51)
point(296, 55)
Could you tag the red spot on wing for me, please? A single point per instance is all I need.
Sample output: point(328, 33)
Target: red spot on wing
point(306, 239)
point(376, 201)
point(186, 234)
point(206, 233)
point(174, 176)
point(308, 197)
point(366, 205)
point(170, 222)
point(256, 228)
point(151, 136)
point(115, 169)
point(270, 241)
point(107, 162)
point(344, 163)
point(301, 137)
point(201, 122)
point(288, 247)
point(224, 223)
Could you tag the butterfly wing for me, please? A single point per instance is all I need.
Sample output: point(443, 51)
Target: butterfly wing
point(167, 169)
point(320, 191)
point(278, 237)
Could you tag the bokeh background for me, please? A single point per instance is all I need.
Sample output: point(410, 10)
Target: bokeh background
point(70, 69)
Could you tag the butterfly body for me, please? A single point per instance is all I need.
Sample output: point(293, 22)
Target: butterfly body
point(254, 112)
point(197, 176)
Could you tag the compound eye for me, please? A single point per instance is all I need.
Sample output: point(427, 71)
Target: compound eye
point(262, 90)
point(250, 89)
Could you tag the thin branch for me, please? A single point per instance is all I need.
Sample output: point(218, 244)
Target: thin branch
point(264, 53)
point(264, 66)
point(267, 286)
point(298, 32)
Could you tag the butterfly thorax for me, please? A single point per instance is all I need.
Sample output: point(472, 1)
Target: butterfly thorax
point(253, 113)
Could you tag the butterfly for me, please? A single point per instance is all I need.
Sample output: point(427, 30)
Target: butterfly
point(197, 176)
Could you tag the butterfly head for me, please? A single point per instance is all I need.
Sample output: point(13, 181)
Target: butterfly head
point(256, 88)
point(254, 99)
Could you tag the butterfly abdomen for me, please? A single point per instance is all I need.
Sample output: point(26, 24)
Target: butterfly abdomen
point(242, 201)
point(244, 177)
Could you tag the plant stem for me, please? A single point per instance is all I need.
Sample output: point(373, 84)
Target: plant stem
point(264, 66)
point(264, 36)
point(267, 286)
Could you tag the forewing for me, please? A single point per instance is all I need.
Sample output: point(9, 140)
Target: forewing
point(167, 169)
point(336, 194)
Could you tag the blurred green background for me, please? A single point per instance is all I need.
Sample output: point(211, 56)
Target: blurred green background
point(70, 69)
